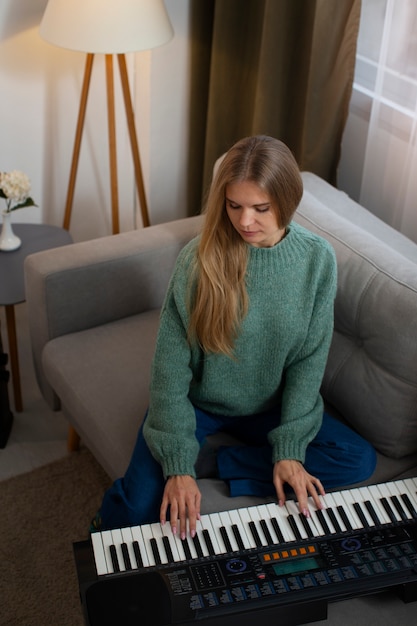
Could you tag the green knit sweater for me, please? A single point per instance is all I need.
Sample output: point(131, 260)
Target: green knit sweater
point(281, 353)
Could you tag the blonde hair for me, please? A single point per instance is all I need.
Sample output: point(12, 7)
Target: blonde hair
point(219, 300)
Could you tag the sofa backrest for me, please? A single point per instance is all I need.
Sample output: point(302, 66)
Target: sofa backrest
point(371, 375)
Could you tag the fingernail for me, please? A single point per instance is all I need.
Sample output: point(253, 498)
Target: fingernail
point(280, 503)
point(193, 534)
point(182, 536)
point(174, 530)
point(306, 512)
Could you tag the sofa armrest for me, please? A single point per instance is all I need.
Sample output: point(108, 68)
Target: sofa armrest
point(88, 284)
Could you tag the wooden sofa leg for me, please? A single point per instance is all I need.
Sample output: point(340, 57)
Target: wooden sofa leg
point(73, 440)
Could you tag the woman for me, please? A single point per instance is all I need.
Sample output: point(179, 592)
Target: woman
point(242, 346)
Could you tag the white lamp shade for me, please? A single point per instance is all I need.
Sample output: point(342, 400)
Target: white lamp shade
point(106, 26)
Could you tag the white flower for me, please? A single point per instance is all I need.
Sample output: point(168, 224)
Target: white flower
point(15, 188)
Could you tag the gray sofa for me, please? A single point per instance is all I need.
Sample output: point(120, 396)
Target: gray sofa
point(93, 313)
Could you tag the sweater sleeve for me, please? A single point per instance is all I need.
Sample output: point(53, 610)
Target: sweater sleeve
point(169, 429)
point(302, 405)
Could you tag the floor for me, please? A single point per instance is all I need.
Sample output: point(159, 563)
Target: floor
point(38, 434)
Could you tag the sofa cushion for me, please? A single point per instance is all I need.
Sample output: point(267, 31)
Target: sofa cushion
point(371, 376)
point(102, 376)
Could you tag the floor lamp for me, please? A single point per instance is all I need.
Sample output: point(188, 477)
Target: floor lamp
point(111, 28)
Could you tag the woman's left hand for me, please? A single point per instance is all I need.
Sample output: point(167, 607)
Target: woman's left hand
point(303, 484)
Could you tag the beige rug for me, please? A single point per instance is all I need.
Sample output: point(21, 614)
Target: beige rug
point(41, 514)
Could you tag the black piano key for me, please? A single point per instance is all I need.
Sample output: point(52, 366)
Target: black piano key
point(255, 534)
point(209, 544)
point(344, 517)
point(226, 539)
point(294, 527)
point(266, 532)
point(306, 525)
point(197, 546)
point(388, 510)
point(399, 508)
point(114, 559)
point(138, 555)
point(168, 551)
point(361, 515)
point(277, 530)
point(238, 537)
point(372, 513)
point(409, 505)
point(334, 520)
point(126, 557)
point(155, 551)
point(323, 522)
point(187, 551)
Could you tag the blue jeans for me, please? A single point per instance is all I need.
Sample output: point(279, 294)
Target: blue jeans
point(337, 456)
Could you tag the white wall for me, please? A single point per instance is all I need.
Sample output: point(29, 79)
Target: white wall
point(40, 92)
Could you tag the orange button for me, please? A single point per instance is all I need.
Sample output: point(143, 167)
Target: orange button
point(303, 551)
point(311, 549)
point(285, 554)
point(267, 557)
point(275, 556)
point(294, 552)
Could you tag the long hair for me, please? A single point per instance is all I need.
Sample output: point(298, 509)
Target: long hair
point(219, 301)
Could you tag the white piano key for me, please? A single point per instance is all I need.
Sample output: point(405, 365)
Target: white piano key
point(235, 519)
point(190, 542)
point(99, 556)
point(293, 509)
point(315, 522)
point(178, 543)
point(330, 503)
point(199, 528)
point(147, 536)
point(167, 532)
point(370, 495)
point(360, 495)
point(394, 491)
point(157, 534)
point(384, 491)
point(376, 501)
point(256, 519)
point(107, 539)
point(227, 523)
point(245, 521)
point(116, 534)
point(137, 536)
point(207, 525)
point(281, 515)
point(265, 515)
point(340, 501)
point(216, 524)
point(407, 487)
point(128, 540)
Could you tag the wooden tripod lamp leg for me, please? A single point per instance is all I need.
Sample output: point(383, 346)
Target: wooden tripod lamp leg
point(73, 440)
point(77, 142)
point(133, 139)
point(112, 144)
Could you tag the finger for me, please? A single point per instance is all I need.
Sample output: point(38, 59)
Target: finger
point(173, 516)
point(315, 490)
point(280, 493)
point(163, 510)
point(194, 514)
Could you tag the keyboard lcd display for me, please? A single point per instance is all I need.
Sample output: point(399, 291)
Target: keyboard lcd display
point(296, 565)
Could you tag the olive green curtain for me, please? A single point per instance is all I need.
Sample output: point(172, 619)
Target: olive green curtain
point(278, 67)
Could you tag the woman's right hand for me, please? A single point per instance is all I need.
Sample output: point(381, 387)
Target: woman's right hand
point(183, 497)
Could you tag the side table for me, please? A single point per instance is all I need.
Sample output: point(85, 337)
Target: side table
point(35, 237)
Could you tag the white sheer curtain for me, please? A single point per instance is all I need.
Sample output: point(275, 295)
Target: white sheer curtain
point(378, 167)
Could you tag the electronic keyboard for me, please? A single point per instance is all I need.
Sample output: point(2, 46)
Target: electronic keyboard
point(263, 562)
